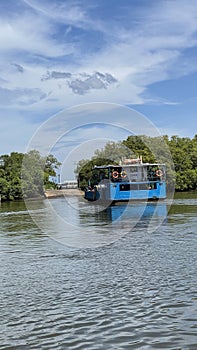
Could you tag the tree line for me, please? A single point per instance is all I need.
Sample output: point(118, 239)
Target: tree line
point(26, 175)
point(178, 153)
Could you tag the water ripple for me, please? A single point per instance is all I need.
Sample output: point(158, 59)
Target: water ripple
point(138, 293)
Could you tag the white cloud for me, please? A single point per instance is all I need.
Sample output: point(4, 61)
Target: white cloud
point(136, 57)
point(64, 11)
point(22, 97)
point(60, 38)
point(30, 34)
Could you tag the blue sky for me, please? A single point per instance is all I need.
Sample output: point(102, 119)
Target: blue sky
point(56, 54)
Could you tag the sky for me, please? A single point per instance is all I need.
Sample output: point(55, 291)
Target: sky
point(58, 54)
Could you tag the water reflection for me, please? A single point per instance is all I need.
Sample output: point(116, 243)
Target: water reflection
point(12, 207)
point(184, 209)
point(128, 212)
point(78, 224)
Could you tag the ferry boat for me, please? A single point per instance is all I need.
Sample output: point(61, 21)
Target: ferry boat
point(130, 180)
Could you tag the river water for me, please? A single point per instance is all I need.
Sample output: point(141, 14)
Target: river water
point(98, 279)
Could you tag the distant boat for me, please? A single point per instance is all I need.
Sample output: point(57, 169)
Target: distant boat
point(130, 180)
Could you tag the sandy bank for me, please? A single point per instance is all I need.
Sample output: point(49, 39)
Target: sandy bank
point(62, 193)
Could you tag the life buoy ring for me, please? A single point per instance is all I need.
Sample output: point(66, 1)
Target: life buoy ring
point(115, 174)
point(159, 173)
point(123, 174)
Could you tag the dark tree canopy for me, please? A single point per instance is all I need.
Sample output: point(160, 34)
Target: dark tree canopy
point(25, 175)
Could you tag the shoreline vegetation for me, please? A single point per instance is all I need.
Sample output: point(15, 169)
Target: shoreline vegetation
point(27, 176)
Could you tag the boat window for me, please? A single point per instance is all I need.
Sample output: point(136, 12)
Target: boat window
point(153, 186)
point(133, 187)
point(133, 169)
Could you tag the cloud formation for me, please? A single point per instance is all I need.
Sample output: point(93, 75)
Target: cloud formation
point(55, 75)
point(20, 97)
point(83, 82)
point(91, 82)
point(121, 55)
point(19, 68)
point(56, 54)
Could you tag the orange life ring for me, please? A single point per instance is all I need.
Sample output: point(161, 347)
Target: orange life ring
point(115, 174)
point(159, 172)
point(123, 174)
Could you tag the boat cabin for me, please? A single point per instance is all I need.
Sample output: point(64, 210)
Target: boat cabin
point(129, 173)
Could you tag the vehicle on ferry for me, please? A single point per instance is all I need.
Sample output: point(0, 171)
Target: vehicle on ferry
point(130, 180)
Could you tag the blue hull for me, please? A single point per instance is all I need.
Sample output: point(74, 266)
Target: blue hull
point(91, 195)
point(120, 192)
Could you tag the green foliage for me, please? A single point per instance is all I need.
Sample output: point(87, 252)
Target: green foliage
point(4, 189)
point(139, 146)
point(85, 167)
point(32, 174)
point(184, 155)
point(25, 175)
point(113, 152)
point(51, 163)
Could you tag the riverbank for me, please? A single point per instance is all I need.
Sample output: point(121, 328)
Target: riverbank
point(63, 193)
